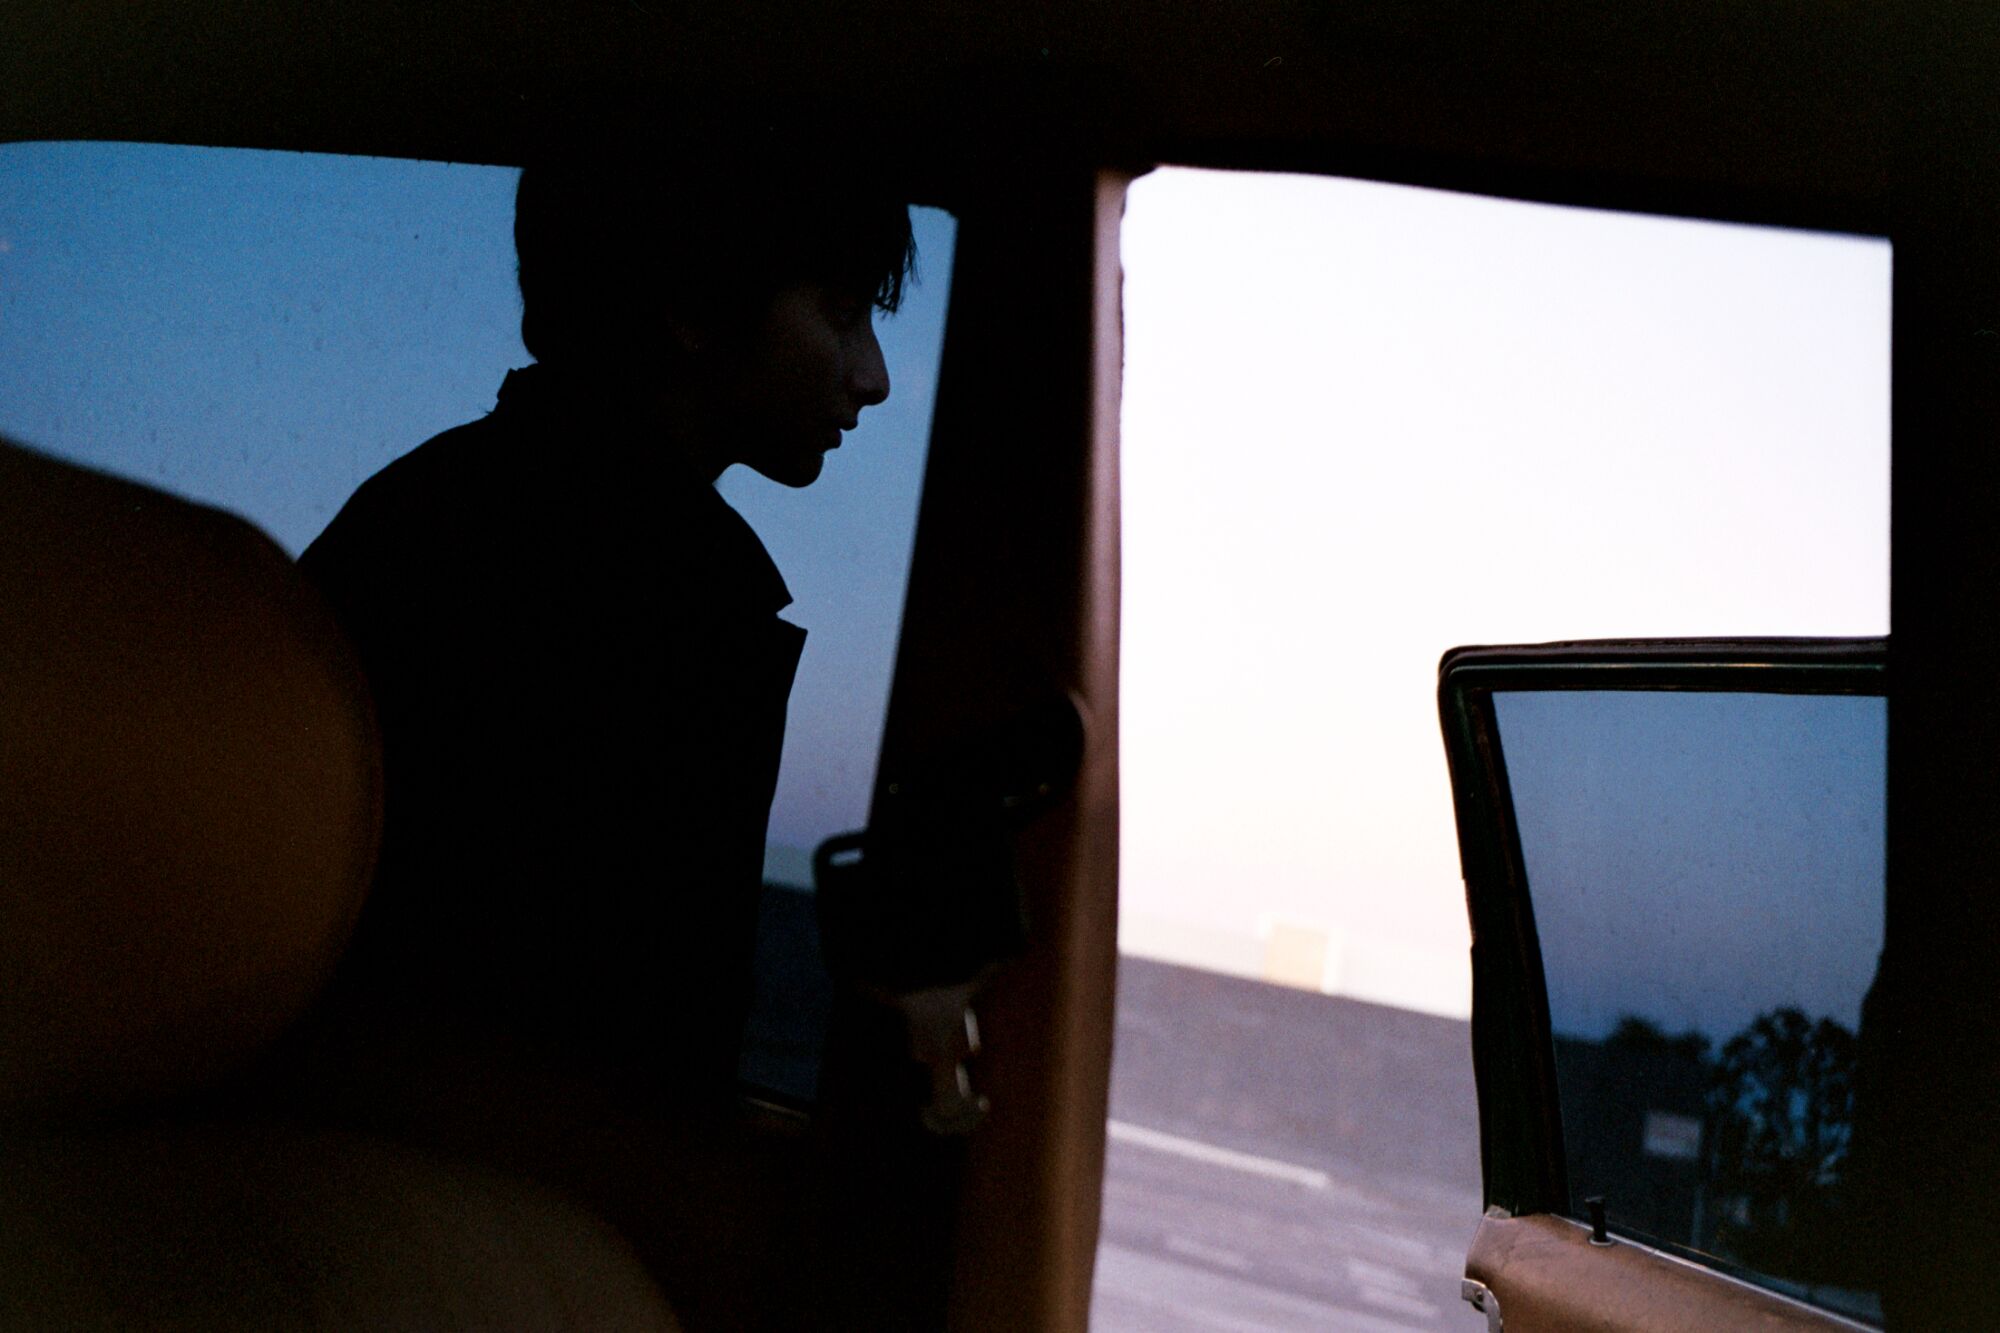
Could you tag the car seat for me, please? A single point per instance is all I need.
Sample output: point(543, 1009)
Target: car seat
point(188, 824)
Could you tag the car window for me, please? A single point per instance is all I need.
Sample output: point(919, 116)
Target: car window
point(1362, 421)
point(263, 331)
point(1707, 878)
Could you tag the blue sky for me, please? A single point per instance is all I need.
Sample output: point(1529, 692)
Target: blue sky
point(1700, 859)
point(259, 330)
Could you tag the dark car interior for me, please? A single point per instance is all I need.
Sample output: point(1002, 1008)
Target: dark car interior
point(191, 798)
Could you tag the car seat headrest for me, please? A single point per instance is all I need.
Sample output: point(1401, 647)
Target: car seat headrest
point(189, 790)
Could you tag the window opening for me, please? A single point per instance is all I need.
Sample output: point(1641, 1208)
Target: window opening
point(263, 331)
point(1362, 424)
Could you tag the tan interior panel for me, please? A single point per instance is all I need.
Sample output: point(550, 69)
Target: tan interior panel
point(1547, 1277)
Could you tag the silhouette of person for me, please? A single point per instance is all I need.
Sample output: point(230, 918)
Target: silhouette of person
point(579, 668)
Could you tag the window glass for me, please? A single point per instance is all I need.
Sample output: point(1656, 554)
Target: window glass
point(1707, 878)
point(258, 331)
point(264, 331)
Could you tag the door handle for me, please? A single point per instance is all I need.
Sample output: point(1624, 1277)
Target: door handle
point(1480, 1297)
point(919, 909)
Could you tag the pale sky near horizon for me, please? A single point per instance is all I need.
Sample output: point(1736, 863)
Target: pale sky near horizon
point(1366, 423)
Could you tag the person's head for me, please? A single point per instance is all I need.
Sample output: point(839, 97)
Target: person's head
point(734, 280)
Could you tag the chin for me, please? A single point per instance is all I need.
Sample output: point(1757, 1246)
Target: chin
point(798, 471)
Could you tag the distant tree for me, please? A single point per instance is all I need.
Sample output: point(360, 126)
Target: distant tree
point(1782, 1109)
point(1634, 1033)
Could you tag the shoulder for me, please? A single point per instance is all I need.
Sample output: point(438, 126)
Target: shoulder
point(422, 488)
point(401, 542)
point(421, 517)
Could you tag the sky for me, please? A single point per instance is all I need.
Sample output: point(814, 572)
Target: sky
point(1362, 424)
point(259, 330)
point(1365, 423)
point(1700, 859)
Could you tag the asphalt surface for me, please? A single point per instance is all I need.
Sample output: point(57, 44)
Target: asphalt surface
point(1283, 1160)
point(1279, 1159)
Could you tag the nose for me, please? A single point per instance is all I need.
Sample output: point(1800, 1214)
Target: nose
point(870, 377)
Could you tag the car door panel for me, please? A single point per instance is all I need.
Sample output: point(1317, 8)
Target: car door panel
point(1541, 1273)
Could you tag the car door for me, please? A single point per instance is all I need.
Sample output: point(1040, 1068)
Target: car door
point(1674, 866)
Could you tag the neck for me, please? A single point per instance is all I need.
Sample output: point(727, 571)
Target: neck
point(656, 409)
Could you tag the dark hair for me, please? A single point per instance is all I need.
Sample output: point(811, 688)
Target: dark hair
point(610, 242)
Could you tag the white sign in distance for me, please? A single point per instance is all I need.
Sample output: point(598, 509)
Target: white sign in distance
point(1676, 1137)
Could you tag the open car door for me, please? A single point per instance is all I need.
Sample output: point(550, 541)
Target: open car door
point(1674, 866)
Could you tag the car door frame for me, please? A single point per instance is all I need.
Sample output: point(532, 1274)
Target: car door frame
point(1531, 1252)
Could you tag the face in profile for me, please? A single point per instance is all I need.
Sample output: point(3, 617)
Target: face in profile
point(678, 286)
point(798, 378)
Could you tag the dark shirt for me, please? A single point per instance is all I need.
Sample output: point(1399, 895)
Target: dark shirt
point(581, 681)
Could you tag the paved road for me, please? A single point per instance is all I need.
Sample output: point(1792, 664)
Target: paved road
point(1279, 1160)
point(1282, 1160)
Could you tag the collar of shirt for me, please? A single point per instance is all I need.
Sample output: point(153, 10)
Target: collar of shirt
point(707, 540)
